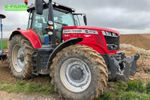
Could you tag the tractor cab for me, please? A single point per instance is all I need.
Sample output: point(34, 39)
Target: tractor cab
point(62, 16)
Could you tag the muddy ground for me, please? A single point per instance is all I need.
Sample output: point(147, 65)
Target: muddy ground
point(21, 96)
point(143, 64)
point(6, 76)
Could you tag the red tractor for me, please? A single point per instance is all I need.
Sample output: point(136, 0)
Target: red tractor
point(79, 59)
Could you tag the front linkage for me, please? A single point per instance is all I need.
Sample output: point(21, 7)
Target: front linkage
point(121, 67)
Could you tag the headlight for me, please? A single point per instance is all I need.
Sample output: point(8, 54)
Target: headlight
point(105, 33)
point(112, 47)
point(86, 31)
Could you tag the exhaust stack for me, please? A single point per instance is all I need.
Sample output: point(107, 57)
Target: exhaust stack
point(26, 2)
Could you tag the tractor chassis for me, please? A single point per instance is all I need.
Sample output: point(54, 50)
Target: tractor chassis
point(119, 66)
point(40, 58)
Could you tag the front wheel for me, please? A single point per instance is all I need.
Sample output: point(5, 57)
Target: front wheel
point(79, 73)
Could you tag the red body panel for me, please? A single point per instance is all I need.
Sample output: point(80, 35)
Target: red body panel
point(31, 36)
point(95, 41)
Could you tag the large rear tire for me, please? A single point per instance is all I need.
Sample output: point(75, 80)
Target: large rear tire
point(20, 54)
point(79, 73)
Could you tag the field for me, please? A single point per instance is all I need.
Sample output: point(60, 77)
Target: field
point(4, 44)
point(138, 40)
point(138, 88)
point(37, 87)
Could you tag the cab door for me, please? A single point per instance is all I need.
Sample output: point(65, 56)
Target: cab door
point(39, 23)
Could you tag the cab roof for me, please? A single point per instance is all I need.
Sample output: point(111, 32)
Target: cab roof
point(55, 5)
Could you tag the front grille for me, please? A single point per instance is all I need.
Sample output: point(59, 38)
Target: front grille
point(112, 42)
point(98, 39)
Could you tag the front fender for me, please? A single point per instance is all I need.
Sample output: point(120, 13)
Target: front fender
point(100, 49)
point(61, 46)
point(30, 35)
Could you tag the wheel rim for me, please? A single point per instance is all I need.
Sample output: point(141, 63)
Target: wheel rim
point(18, 58)
point(75, 75)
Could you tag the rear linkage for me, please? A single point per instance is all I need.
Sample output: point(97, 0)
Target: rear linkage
point(121, 67)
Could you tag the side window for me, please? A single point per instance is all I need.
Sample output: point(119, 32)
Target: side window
point(40, 23)
point(77, 21)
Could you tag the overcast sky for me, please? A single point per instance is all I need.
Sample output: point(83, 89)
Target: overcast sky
point(126, 16)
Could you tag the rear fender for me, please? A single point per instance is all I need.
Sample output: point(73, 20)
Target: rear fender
point(30, 35)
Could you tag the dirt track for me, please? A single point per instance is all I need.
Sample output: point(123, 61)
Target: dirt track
point(21, 96)
point(6, 76)
point(138, 40)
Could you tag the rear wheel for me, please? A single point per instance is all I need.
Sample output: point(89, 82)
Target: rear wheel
point(20, 53)
point(79, 73)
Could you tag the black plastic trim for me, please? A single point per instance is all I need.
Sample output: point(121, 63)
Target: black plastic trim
point(61, 46)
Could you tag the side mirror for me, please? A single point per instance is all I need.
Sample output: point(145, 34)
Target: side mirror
point(39, 6)
point(85, 19)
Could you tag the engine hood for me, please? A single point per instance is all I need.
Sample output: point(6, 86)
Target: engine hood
point(91, 28)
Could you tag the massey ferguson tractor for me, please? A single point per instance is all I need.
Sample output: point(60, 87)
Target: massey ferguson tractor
point(79, 59)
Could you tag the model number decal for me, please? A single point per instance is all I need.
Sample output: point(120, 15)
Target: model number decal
point(80, 31)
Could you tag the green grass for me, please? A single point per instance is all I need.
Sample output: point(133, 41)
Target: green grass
point(29, 88)
point(4, 44)
point(132, 90)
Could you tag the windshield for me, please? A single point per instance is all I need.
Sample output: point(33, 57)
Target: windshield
point(63, 18)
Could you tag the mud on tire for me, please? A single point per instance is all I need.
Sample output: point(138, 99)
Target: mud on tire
point(20, 44)
point(95, 66)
